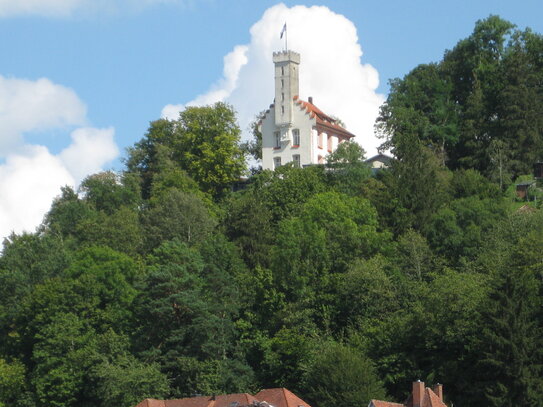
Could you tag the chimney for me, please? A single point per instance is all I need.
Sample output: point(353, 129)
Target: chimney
point(438, 390)
point(310, 99)
point(418, 393)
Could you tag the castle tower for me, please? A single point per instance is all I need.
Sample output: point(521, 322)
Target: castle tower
point(293, 130)
point(286, 86)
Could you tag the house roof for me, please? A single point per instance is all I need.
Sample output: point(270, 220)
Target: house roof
point(429, 399)
point(279, 397)
point(225, 400)
point(324, 122)
point(380, 403)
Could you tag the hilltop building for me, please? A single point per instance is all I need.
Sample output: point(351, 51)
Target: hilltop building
point(294, 130)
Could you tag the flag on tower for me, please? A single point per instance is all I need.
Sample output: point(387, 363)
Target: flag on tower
point(284, 30)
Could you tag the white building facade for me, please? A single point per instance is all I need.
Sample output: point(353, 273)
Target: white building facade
point(294, 130)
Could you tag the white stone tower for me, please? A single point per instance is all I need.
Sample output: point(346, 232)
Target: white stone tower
point(286, 87)
point(293, 130)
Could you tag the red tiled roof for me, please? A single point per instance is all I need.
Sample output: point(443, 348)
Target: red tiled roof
point(380, 403)
point(324, 122)
point(151, 403)
point(431, 399)
point(226, 400)
point(277, 397)
point(280, 397)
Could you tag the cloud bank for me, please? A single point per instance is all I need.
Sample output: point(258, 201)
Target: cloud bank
point(331, 70)
point(30, 175)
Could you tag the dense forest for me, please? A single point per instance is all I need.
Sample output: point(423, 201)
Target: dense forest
point(340, 284)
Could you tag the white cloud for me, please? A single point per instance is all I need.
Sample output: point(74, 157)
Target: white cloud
point(331, 70)
point(233, 62)
point(90, 150)
point(67, 8)
point(28, 184)
point(35, 105)
point(30, 175)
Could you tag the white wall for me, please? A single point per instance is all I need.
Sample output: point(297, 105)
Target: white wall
point(301, 121)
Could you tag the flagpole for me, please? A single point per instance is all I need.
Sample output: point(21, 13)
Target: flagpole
point(286, 38)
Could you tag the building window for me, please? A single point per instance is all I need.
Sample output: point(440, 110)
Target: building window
point(282, 70)
point(282, 109)
point(320, 140)
point(296, 137)
point(276, 162)
point(282, 83)
point(277, 139)
point(296, 160)
point(282, 96)
point(330, 141)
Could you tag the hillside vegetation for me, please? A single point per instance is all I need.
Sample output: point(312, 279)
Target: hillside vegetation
point(342, 286)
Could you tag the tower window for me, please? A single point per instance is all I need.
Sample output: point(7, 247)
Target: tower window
point(282, 83)
point(296, 137)
point(282, 96)
point(282, 109)
point(282, 70)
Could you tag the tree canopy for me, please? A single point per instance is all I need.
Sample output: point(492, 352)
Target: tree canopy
point(339, 283)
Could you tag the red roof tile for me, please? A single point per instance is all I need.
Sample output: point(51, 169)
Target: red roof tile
point(226, 400)
point(280, 397)
point(380, 403)
point(324, 122)
point(431, 399)
point(151, 403)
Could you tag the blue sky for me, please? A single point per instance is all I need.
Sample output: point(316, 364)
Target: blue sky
point(109, 67)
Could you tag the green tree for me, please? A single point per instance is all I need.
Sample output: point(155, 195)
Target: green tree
point(365, 293)
point(347, 168)
point(177, 215)
point(105, 192)
point(12, 382)
point(460, 229)
point(510, 345)
point(204, 142)
point(128, 381)
point(286, 189)
point(341, 376)
point(420, 105)
point(62, 356)
point(248, 223)
point(253, 146)
point(420, 181)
